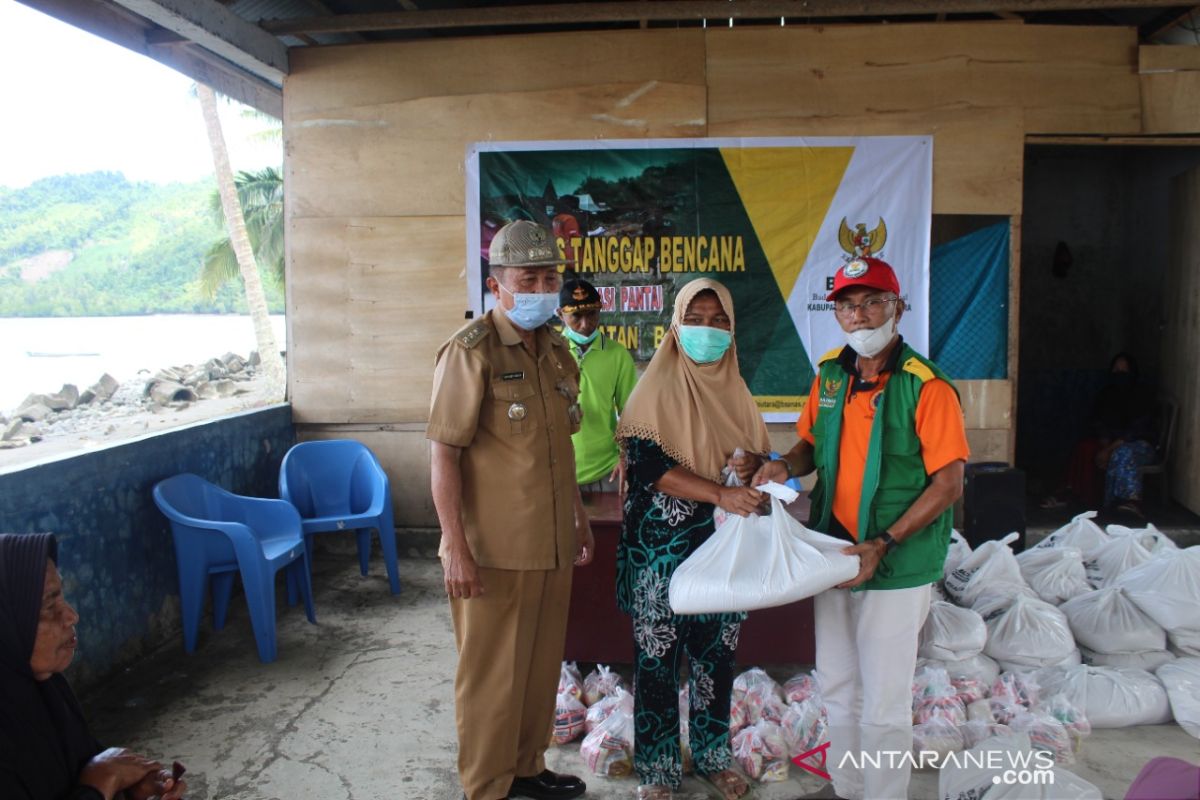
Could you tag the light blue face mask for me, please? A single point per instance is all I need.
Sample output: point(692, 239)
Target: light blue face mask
point(531, 310)
point(703, 344)
point(579, 338)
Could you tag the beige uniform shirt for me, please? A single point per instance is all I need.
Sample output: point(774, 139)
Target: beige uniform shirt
point(511, 412)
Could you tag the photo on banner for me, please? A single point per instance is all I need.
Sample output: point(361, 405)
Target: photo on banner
point(770, 218)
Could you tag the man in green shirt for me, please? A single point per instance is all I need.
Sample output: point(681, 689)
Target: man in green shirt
point(607, 376)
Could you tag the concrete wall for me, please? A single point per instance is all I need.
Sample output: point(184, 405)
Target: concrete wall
point(115, 548)
point(375, 136)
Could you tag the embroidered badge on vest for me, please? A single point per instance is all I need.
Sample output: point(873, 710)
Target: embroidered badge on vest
point(829, 392)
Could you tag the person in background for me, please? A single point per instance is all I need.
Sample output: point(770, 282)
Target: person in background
point(46, 750)
point(606, 377)
point(504, 407)
point(884, 430)
point(685, 419)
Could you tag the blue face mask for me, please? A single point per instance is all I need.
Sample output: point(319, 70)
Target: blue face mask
point(703, 344)
point(579, 338)
point(531, 310)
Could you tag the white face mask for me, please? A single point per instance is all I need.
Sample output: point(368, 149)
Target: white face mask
point(870, 342)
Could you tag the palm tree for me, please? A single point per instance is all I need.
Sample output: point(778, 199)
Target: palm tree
point(261, 196)
point(235, 221)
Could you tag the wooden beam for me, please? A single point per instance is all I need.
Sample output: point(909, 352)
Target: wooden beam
point(1114, 141)
point(119, 26)
point(1165, 23)
point(219, 30)
point(659, 10)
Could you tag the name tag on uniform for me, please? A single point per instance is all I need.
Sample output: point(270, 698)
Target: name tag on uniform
point(513, 376)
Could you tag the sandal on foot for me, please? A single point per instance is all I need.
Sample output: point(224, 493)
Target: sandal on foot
point(654, 792)
point(725, 784)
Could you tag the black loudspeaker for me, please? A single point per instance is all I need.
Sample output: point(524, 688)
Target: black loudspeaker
point(993, 503)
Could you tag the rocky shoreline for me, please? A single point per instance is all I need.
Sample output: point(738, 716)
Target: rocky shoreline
point(102, 407)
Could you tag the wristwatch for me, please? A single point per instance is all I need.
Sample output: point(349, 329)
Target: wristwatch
point(890, 544)
point(787, 468)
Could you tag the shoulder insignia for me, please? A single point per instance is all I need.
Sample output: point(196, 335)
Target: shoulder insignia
point(472, 335)
point(915, 367)
point(832, 354)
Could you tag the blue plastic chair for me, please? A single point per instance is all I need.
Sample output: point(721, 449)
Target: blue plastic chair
point(338, 485)
point(219, 534)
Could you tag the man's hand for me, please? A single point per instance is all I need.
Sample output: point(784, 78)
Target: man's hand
point(740, 500)
point(157, 786)
point(586, 547)
point(869, 553)
point(460, 573)
point(776, 471)
point(618, 474)
point(115, 770)
point(744, 467)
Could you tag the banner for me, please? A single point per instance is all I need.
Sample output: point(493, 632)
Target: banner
point(772, 219)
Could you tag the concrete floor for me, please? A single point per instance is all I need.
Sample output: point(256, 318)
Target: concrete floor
point(360, 706)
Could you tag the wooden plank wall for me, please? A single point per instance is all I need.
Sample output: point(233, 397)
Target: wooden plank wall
point(1181, 342)
point(375, 137)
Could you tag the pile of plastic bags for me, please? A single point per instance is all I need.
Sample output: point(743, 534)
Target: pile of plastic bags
point(600, 707)
point(771, 724)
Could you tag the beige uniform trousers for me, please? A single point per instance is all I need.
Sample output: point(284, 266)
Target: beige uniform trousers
point(510, 648)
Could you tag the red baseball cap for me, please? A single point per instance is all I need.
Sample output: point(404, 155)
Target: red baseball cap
point(866, 271)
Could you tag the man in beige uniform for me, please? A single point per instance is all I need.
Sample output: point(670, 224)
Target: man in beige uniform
point(505, 403)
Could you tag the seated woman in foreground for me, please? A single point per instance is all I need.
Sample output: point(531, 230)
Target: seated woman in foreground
point(46, 751)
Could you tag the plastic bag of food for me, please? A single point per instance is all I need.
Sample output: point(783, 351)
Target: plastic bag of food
point(608, 749)
point(1182, 681)
point(600, 682)
point(1018, 688)
point(1080, 533)
point(948, 708)
point(990, 563)
point(980, 775)
point(758, 562)
point(956, 554)
point(930, 680)
point(804, 725)
point(1110, 697)
point(1167, 587)
point(569, 680)
point(801, 687)
point(1054, 573)
point(1031, 633)
point(1045, 733)
point(606, 706)
point(975, 731)
point(969, 690)
point(1108, 621)
point(1149, 537)
point(570, 718)
point(937, 735)
point(1113, 559)
point(756, 679)
point(761, 752)
point(951, 633)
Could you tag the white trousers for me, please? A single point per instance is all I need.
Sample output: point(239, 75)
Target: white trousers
point(866, 657)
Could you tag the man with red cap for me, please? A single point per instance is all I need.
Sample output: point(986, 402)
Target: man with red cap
point(883, 428)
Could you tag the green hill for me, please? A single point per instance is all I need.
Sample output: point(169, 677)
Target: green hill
point(99, 245)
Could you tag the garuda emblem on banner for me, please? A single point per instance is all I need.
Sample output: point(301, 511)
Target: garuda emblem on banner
point(859, 242)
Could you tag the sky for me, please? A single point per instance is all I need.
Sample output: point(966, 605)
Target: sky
point(73, 103)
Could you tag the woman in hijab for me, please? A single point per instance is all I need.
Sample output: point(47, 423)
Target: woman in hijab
point(46, 751)
point(682, 423)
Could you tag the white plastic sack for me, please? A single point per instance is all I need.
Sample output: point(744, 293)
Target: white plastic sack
point(1113, 559)
point(969, 777)
point(996, 598)
point(1072, 659)
point(1182, 680)
point(1031, 632)
point(990, 563)
point(956, 554)
point(979, 667)
point(1107, 621)
point(1149, 660)
point(1167, 588)
point(1110, 697)
point(1149, 537)
point(1080, 533)
point(1184, 641)
point(758, 562)
point(952, 633)
point(1054, 573)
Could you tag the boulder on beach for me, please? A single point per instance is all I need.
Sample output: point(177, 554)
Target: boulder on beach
point(33, 412)
point(165, 392)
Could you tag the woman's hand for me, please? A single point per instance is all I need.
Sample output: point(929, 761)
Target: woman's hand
point(117, 769)
point(775, 470)
point(157, 786)
point(740, 500)
point(745, 466)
